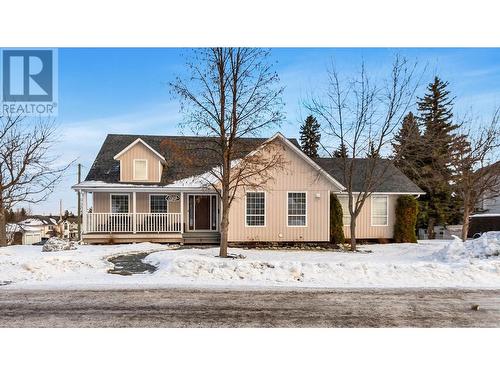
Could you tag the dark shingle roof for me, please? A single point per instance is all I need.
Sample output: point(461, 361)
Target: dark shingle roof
point(186, 156)
point(388, 178)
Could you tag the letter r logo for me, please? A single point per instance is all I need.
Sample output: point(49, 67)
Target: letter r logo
point(27, 75)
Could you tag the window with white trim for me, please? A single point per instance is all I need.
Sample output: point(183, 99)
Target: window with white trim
point(158, 203)
point(344, 202)
point(255, 209)
point(297, 209)
point(140, 169)
point(380, 211)
point(119, 204)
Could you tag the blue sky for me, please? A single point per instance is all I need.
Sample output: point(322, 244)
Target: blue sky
point(109, 90)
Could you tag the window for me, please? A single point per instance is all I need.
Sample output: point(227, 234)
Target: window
point(297, 209)
point(140, 169)
point(256, 209)
point(158, 203)
point(119, 204)
point(344, 202)
point(380, 210)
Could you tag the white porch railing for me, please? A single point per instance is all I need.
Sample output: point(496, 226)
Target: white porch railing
point(133, 223)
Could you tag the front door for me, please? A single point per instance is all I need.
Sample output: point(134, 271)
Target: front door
point(202, 212)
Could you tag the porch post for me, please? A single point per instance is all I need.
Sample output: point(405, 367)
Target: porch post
point(134, 221)
point(182, 212)
point(84, 214)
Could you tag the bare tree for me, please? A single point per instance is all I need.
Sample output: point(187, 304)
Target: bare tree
point(232, 93)
point(363, 115)
point(475, 166)
point(27, 171)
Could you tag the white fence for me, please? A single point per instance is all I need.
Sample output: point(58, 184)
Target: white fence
point(133, 223)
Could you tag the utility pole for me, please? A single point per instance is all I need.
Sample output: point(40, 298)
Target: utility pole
point(79, 204)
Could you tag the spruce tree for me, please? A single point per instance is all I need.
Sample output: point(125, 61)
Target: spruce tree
point(372, 151)
point(310, 136)
point(407, 147)
point(439, 143)
point(341, 152)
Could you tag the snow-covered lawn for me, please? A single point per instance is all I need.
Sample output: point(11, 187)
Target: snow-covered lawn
point(427, 264)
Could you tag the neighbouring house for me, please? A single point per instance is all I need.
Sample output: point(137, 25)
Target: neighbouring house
point(141, 190)
point(68, 228)
point(487, 215)
point(32, 229)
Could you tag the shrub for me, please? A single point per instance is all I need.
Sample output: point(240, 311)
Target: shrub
point(336, 225)
point(406, 219)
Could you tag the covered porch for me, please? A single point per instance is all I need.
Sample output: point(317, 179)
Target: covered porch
point(149, 214)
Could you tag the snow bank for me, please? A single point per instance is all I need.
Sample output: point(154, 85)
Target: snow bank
point(426, 264)
point(395, 265)
point(488, 245)
point(58, 244)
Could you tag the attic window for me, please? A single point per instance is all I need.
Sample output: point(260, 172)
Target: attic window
point(140, 169)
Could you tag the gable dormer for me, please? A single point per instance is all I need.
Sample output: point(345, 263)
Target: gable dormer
point(139, 162)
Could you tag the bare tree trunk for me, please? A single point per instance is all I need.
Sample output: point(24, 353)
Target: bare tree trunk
point(224, 224)
point(353, 234)
point(3, 229)
point(465, 226)
point(431, 235)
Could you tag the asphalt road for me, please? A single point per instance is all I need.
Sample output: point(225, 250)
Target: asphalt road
point(251, 308)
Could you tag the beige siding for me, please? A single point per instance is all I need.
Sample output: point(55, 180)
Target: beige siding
point(139, 151)
point(365, 230)
point(101, 202)
point(298, 176)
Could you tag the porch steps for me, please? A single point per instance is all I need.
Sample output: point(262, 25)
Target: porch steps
point(201, 237)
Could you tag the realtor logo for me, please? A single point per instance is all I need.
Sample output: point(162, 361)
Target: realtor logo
point(28, 81)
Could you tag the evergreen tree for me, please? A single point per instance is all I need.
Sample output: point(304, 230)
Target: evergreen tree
point(407, 147)
point(310, 136)
point(336, 224)
point(372, 152)
point(439, 143)
point(22, 214)
point(341, 152)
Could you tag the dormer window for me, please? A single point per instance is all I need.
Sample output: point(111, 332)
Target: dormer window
point(140, 169)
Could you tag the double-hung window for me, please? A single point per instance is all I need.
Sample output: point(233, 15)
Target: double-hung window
point(140, 169)
point(344, 202)
point(158, 203)
point(255, 209)
point(119, 203)
point(380, 210)
point(297, 209)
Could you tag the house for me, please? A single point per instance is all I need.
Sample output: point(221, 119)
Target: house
point(31, 230)
point(142, 189)
point(487, 215)
point(68, 227)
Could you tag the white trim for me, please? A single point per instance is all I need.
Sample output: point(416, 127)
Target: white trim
point(182, 212)
point(149, 202)
point(134, 211)
point(159, 171)
point(348, 213)
point(265, 209)
point(121, 171)
point(295, 226)
point(111, 203)
point(134, 177)
point(371, 210)
point(210, 213)
point(133, 144)
point(329, 218)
